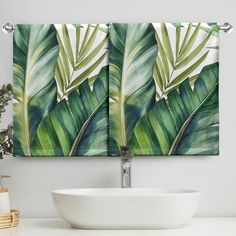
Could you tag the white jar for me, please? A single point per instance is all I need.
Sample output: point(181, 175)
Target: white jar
point(4, 201)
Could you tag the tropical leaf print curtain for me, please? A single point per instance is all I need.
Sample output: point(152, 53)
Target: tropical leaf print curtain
point(60, 90)
point(87, 89)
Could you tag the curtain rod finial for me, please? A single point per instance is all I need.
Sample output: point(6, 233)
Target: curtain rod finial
point(8, 28)
point(226, 27)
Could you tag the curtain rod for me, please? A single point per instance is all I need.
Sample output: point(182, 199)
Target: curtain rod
point(9, 28)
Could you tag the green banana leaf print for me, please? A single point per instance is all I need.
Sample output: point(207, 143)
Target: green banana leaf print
point(77, 126)
point(132, 53)
point(185, 124)
point(60, 90)
point(88, 89)
point(35, 55)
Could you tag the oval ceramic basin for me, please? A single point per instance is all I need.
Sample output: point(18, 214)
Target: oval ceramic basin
point(117, 208)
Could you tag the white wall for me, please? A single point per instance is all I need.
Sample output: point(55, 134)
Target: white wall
point(33, 179)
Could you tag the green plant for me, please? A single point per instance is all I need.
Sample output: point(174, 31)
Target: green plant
point(186, 58)
point(133, 50)
point(54, 112)
point(77, 62)
point(183, 119)
point(61, 91)
point(6, 143)
point(5, 96)
point(35, 55)
point(78, 126)
point(187, 123)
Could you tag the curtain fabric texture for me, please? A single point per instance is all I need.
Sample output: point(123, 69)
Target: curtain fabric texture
point(87, 89)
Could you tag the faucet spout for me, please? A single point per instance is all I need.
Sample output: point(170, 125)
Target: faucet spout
point(126, 157)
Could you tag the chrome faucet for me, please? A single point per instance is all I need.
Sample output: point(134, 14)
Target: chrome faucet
point(126, 158)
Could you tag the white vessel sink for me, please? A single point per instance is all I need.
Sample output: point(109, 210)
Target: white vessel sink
point(126, 208)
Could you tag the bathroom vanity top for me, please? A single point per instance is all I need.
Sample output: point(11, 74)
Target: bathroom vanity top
point(203, 226)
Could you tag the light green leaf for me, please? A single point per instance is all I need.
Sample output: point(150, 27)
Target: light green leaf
point(92, 55)
point(133, 50)
point(167, 44)
point(192, 79)
point(84, 50)
point(177, 45)
point(188, 71)
point(63, 66)
point(68, 47)
point(85, 39)
point(161, 58)
point(189, 44)
point(59, 75)
point(187, 124)
point(157, 77)
point(77, 42)
point(160, 70)
point(35, 55)
point(193, 54)
point(77, 126)
point(164, 71)
point(213, 28)
point(78, 80)
point(89, 53)
point(186, 37)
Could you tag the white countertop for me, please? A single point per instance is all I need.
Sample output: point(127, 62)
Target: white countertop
point(199, 226)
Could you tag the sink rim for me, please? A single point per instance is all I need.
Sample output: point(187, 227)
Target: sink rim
point(112, 192)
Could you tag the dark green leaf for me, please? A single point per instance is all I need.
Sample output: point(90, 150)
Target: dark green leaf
point(186, 124)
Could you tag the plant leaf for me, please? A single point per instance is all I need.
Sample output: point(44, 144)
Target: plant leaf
point(72, 128)
point(132, 54)
point(213, 28)
point(186, 124)
point(167, 44)
point(186, 37)
point(85, 39)
point(88, 45)
point(86, 73)
point(188, 71)
point(67, 43)
point(193, 54)
point(192, 79)
point(92, 54)
point(189, 44)
point(35, 55)
point(162, 56)
point(177, 44)
point(157, 77)
point(94, 51)
point(77, 43)
point(62, 74)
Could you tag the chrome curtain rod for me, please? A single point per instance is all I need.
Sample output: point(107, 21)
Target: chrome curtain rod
point(9, 28)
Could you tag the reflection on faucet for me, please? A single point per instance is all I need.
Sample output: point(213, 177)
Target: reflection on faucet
point(126, 158)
